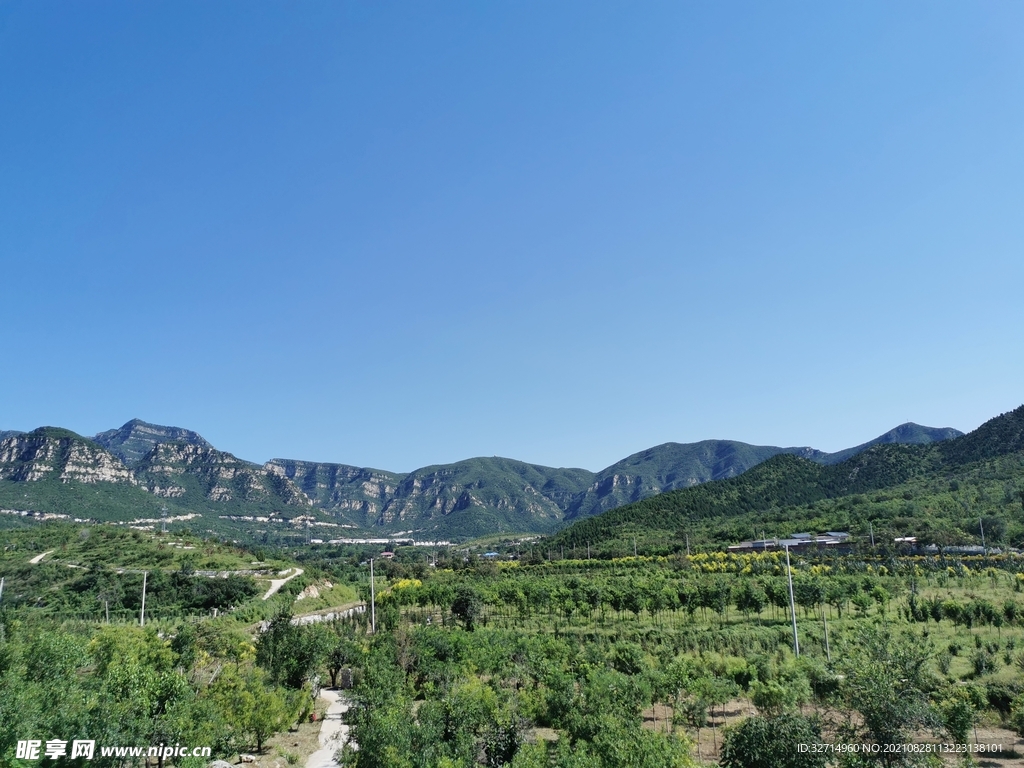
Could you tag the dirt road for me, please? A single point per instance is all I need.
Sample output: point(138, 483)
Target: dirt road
point(276, 584)
point(333, 733)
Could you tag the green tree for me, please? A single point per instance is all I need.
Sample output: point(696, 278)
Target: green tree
point(958, 713)
point(885, 682)
point(253, 708)
point(467, 607)
point(771, 742)
point(344, 652)
point(1017, 715)
point(772, 698)
point(291, 654)
point(750, 598)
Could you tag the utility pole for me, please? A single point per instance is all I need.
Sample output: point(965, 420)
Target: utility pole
point(687, 543)
point(373, 603)
point(163, 519)
point(142, 611)
point(1, 589)
point(588, 550)
point(634, 546)
point(982, 526)
point(792, 604)
point(824, 622)
point(871, 528)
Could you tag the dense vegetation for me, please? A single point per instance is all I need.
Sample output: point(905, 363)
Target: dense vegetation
point(98, 571)
point(176, 468)
point(630, 662)
point(637, 661)
point(662, 658)
point(936, 492)
point(76, 664)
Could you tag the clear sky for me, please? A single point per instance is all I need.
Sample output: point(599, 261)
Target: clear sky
point(399, 234)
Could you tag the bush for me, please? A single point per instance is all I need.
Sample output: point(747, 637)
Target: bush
point(999, 696)
point(768, 742)
point(982, 663)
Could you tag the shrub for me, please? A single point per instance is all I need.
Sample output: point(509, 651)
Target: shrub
point(768, 742)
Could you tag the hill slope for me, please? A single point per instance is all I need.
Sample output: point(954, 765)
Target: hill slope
point(673, 466)
point(794, 491)
point(130, 473)
point(904, 434)
point(664, 468)
point(131, 442)
point(467, 498)
point(55, 472)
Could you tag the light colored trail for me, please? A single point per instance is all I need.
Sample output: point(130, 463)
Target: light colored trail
point(276, 584)
point(39, 558)
point(333, 732)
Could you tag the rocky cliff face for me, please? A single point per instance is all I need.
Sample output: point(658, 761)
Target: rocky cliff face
point(506, 489)
point(356, 494)
point(179, 469)
point(50, 453)
point(467, 498)
point(132, 442)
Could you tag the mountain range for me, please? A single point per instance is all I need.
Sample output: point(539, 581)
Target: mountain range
point(137, 471)
point(951, 492)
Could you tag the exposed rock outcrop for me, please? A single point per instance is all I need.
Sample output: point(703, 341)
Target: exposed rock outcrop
point(133, 441)
point(174, 469)
point(60, 454)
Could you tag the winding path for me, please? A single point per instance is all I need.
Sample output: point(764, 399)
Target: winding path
point(39, 558)
point(276, 584)
point(333, 732)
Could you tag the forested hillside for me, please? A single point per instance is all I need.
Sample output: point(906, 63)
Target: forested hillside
point(141, 471)
point(937, 492)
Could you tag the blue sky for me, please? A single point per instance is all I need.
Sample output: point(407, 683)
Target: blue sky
point(395, 234)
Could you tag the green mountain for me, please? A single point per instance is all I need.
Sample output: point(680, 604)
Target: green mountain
point(193, 472)
point(355, 494)
point(936, 491)
point(467, 498)
point(137, 438)
point(672, 466)
point(132, 473)
point(904, 434)
point(51, 453)
point(664, 468)
point(1001, 435)
point(55, 473)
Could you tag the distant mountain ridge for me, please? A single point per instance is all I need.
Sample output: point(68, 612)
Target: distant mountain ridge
point(465, 499)
point(486, 495)
point(904, 434)
point(132, 442)
point(671, 466)
point(788, 489)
